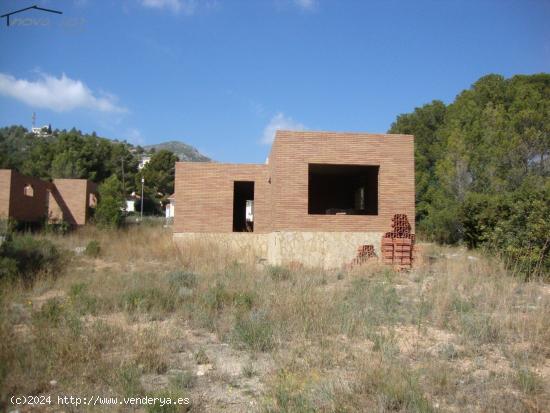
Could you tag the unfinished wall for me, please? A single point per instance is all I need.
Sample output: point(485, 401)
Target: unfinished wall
point(23, 207)
point(204, 194)
point(291, 154)
point(71, 197)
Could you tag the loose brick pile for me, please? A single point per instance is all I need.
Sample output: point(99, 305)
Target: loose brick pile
point(397, 245)
point(364, 253)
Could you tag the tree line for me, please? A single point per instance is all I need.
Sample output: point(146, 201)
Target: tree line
point(483, 168)
point(72, 154)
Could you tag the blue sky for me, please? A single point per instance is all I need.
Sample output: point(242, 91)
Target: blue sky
point(222, 75)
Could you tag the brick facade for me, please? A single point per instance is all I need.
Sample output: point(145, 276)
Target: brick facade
point(60, 200)
point(204, 191)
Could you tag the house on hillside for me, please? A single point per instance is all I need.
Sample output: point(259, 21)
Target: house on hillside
point(32, 200)
point(318, 198)
point(143, 162)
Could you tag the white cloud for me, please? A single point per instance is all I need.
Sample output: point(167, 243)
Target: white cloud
point(58, 94)
point(176, 6)
point(279, 121)
point(305, 4)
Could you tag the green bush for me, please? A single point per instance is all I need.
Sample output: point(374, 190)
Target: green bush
point(93, 249)
point(82, 302)
point(61, 228)
point(278, 272)
point(24, 257)
point(182, 279)
point(148, 300)
point(109, 208)
point(515, 225)
point(217, 297)
point(254, 331)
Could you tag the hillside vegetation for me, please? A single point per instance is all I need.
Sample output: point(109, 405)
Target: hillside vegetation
point(483, 169)
point(72, 154)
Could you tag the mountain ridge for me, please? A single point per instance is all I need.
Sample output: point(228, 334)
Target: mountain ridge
point(184, 151)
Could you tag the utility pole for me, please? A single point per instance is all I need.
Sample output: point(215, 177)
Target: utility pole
point(142, 182)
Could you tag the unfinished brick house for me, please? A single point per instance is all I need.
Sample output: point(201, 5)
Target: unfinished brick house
point(32, 200)
point(318, 198)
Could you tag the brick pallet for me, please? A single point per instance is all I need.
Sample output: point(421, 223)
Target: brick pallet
point(397, 246)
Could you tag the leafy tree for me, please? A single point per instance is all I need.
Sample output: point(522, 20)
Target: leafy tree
point(159, 176)
point(477, 162)
point(109, 209)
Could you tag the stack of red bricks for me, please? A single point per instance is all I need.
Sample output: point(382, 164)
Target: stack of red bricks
point(397, 245)
point(364, 253)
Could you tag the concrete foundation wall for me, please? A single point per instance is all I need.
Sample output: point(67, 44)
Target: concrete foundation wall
point(311, 249)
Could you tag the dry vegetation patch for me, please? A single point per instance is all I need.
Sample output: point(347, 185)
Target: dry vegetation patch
point(137, 316)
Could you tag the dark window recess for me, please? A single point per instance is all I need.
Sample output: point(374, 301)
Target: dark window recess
point(243, 191)
point(343, 189)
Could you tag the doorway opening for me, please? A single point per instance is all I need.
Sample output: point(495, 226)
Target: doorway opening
point(243, 206)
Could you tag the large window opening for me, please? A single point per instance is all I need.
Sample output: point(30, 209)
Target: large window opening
point(243, 206)
point(343, 189)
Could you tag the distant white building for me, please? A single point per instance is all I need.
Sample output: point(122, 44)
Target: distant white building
point(143, 161)
point(131, 202)
point(45, 130)
point(130, 205)
point(170, 207)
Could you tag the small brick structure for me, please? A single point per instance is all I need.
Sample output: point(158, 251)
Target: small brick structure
point(364, 254)
point(28, 199)
point(315, 186)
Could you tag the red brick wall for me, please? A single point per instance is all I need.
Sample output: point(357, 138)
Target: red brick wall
point(204, 196)
point(204, 191)
point(5, 185)
point(72, 197)
point(22, 207)
point(293, 151)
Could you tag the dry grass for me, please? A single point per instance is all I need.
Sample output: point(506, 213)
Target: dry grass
point(139, 317)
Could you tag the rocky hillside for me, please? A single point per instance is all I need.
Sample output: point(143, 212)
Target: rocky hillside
point(182, 150)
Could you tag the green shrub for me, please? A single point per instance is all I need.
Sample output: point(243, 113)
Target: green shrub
point(217, 297)
point(254, 331)
point(61, 228)
point(108, 213)
point(128, 380)
point(288, 395)
point(185, 279)
point(244, 300)
point(528, 382)
point(24, 257)
point(278, 273)
point(148, 300)
point(50, 313)
point(81, 300)
point(183, 380)
point(93, 249)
